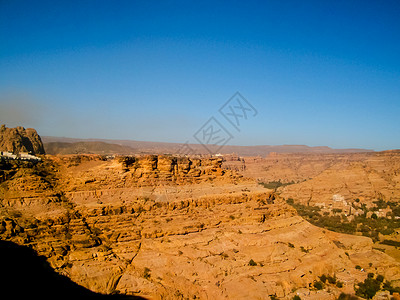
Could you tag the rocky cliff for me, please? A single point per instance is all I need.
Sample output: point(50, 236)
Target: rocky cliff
point(316, 178)
point(19, 139)
point(175, 228)
point(367, 177)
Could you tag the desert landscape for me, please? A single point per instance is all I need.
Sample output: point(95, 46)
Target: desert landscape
point(205, 227)
point(211, 150)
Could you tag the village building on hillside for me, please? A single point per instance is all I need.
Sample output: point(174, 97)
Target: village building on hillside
point(22, 156)
point(8, 155)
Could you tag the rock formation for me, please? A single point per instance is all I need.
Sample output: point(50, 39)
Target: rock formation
point(317, 178)
point(169, 227)
point(19, 139)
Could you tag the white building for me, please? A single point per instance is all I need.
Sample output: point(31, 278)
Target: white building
point(8, 155)
point(338, 197)
point(22, 156)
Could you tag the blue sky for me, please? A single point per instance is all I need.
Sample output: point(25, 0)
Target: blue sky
point(318, 72)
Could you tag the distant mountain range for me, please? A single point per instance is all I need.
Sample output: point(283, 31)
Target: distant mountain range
point(63, 145)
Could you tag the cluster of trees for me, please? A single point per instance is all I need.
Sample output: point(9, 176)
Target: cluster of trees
point(366, 289)
point(372, 284)
point(370, 227)
point(381, 204)
point(325, 279)
point(275, 184)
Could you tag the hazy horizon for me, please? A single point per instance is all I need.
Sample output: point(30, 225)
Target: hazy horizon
point(317, 74)
point(194, 143)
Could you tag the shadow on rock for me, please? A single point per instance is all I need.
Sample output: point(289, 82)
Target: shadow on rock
point(26, 275)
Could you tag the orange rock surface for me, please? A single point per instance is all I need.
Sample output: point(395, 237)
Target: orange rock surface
point(175, 227)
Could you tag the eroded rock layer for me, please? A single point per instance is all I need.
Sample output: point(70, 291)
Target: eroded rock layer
point(168, 228)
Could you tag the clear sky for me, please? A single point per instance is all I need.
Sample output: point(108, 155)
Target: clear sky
point(318, 72)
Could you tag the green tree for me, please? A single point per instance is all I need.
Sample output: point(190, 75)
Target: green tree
point(339, 284)
point(252, 263)
point(331, 279)
point(368, 288)
point(323, 278)
point(318, 285)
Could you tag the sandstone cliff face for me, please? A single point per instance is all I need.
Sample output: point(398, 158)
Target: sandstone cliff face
point(174, 228)
point(376, 176)
point(289, 167)
point(87, 172)
point(19, 139)
point(318, 177)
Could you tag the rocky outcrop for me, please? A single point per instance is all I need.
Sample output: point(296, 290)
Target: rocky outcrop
point(147, 170)
point(19, 139)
